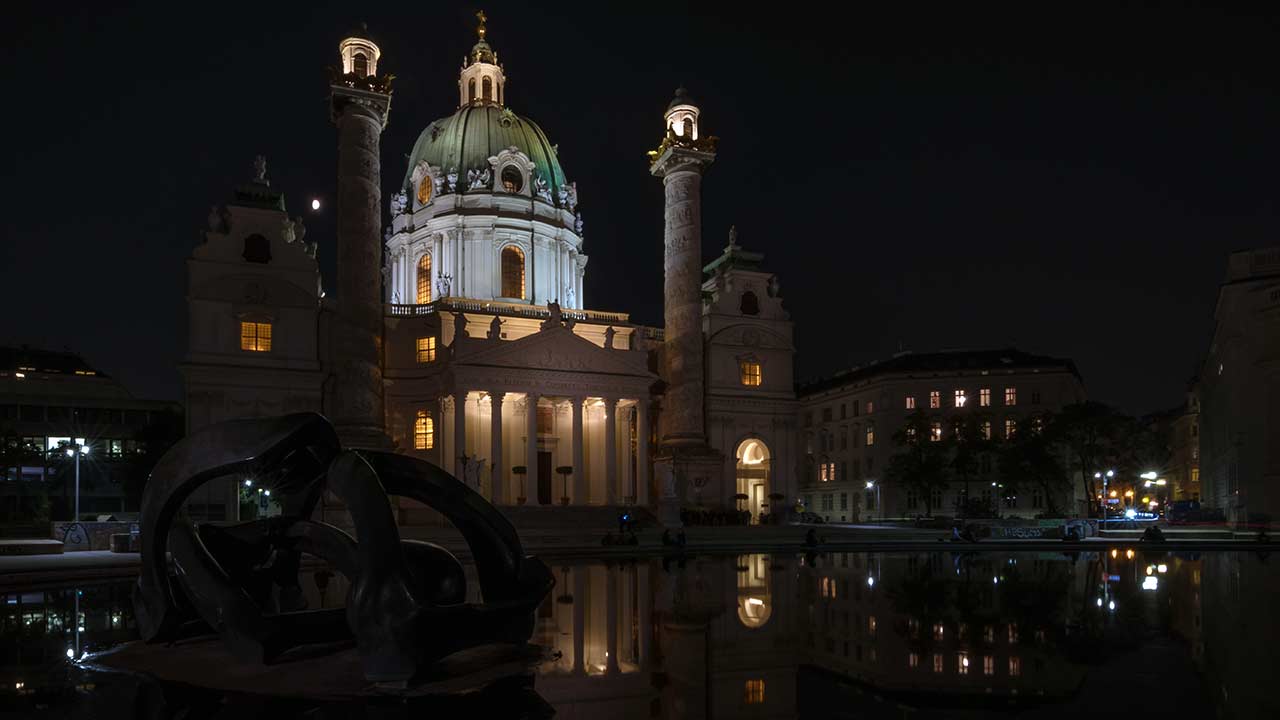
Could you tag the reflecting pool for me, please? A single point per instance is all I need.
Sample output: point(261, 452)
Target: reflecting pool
point(1112, 633)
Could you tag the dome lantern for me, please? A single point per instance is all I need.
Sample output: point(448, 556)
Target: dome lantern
point(359, 54)
point(682, 116)
point(482, 81)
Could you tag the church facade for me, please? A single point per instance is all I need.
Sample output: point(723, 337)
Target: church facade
point(460, 332)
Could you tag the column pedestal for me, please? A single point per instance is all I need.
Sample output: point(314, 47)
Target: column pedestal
point(688, 476)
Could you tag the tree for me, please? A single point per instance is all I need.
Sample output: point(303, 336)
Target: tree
point(1029, 458)
point(921, 464)
point(1090, 432)
point(154, 440)
point(967, 444)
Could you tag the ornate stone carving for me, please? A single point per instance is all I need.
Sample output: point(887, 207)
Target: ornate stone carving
point(540, 187)
point(292, 230)
point(577, 224)
point(554, 320)
point(495, 328)
point(452, 177)
point(478, 179)
point(399, 202)
point(260, 170)
point(775, 287)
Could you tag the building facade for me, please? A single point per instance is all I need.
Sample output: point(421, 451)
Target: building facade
point(53, 400)
point(848, 422)
point(1240, 392)
point(485, 359)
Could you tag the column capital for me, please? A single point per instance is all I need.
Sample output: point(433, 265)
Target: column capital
point(497, 395)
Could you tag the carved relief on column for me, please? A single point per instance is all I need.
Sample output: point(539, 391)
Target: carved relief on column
point(610, 450)
point(497, 474)
point(579, 465)
point(682, 261)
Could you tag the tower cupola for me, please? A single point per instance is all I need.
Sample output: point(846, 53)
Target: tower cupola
point(481, 81)
point(682, 116)
point(359, 54)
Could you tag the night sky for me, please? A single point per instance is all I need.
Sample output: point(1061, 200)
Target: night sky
point(1068, 181)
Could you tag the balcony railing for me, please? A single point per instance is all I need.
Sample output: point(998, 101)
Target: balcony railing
point(507, 309)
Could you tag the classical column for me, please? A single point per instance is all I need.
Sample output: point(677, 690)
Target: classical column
point(611, 619)
point(642, 452)
point(459, 433)
point(531, 448)
point(357, 407)
point(610, 450)
point(579, 618)
point(498, 489)
point(579, 466)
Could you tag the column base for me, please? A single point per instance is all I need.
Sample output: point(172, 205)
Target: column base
point(688, 475)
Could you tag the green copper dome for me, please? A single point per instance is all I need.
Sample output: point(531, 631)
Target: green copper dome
point(475, 133)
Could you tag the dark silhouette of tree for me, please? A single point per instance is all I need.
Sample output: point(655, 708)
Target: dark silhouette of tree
point(921, 463)
point(1030, 459)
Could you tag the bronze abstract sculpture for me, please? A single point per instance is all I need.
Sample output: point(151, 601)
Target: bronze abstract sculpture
point(406, 605)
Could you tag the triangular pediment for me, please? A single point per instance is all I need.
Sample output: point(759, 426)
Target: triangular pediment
point(554, 348)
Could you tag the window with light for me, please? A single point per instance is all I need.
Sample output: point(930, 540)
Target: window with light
point(913, 660)
point(1010, 427)
point(960, 398)
point(753, 692)
point(750, 374)
point(962, 663)
point(1010, 396)
point(935, 431)
point(986, 429)
point(1015, 667)
point(424, 431)
point(984, 397)
point(911, 402)
point(871, 434)
point(513, 272)
point(426, 349)
point(424, 280)
point(935, 399)
point(255, 336)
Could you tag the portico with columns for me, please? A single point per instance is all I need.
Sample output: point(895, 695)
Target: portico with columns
point(586, 408)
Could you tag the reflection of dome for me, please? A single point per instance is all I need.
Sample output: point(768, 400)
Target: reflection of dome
point(753, 452)
point(753, 611)
point(468, 138)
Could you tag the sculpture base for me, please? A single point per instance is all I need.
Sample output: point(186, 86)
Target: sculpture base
point(688, 475)
point(318, 673)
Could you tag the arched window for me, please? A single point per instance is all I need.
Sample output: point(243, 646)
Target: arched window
point(488, 88)
point(257, 249)
point(424, 431)
point(688, 127)
point(471, 90)
point(424, 280)
point(750, 304)
point(512, 272)
point(360, 64)
point(512, 180)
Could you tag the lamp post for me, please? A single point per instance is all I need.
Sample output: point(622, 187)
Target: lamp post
point(76, 450)
point(873, 484)
point(1104, 477)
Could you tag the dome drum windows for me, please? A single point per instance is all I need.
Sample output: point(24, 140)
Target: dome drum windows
point(512, 264)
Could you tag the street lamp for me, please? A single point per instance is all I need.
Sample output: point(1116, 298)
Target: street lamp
point(75, 451)
point(873, 485)
point(1104, 477)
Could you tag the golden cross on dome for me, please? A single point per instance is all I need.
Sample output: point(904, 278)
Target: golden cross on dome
point(481, 17)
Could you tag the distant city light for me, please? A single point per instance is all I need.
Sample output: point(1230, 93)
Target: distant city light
point(70, 653)
point(1151, 582)
point(1150, 475)
point(1111, 605)
point(248, 482)
point(1099, 602)
point(871, 582)
point(1162, 568)
point(1111, 473)
point(1130, 514)
point(315, 204)
point(1128, 554)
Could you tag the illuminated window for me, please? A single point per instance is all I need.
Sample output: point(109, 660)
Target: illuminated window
point(255, 336)
point(753, 692)
point(962, 663)
point(871, 625)
point(986, 429)
point(937, 662)
point(935, 431)
point(1010, 427)
point(871, 434)
point(426, 349)
point(911, 402)
point(1015, 667)
point(984, 397)
point(1195, 475)
point(361, 64)
point(939, 631)
point(512, 180)
point(871, 407)
point(512, 272)
point(826, 471)
point(424, 280)
point(988, 665)
point(935, 399)
point(989, 634)
point(1013, 633)
point(750, 373)
point(471, 90)
point(424, 190)
point(913, 660)
point(960, 398)
point(424, 431)
point(1010, 396)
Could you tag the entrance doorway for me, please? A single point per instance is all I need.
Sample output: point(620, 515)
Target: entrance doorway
point(544, 477)
point(753, 478)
